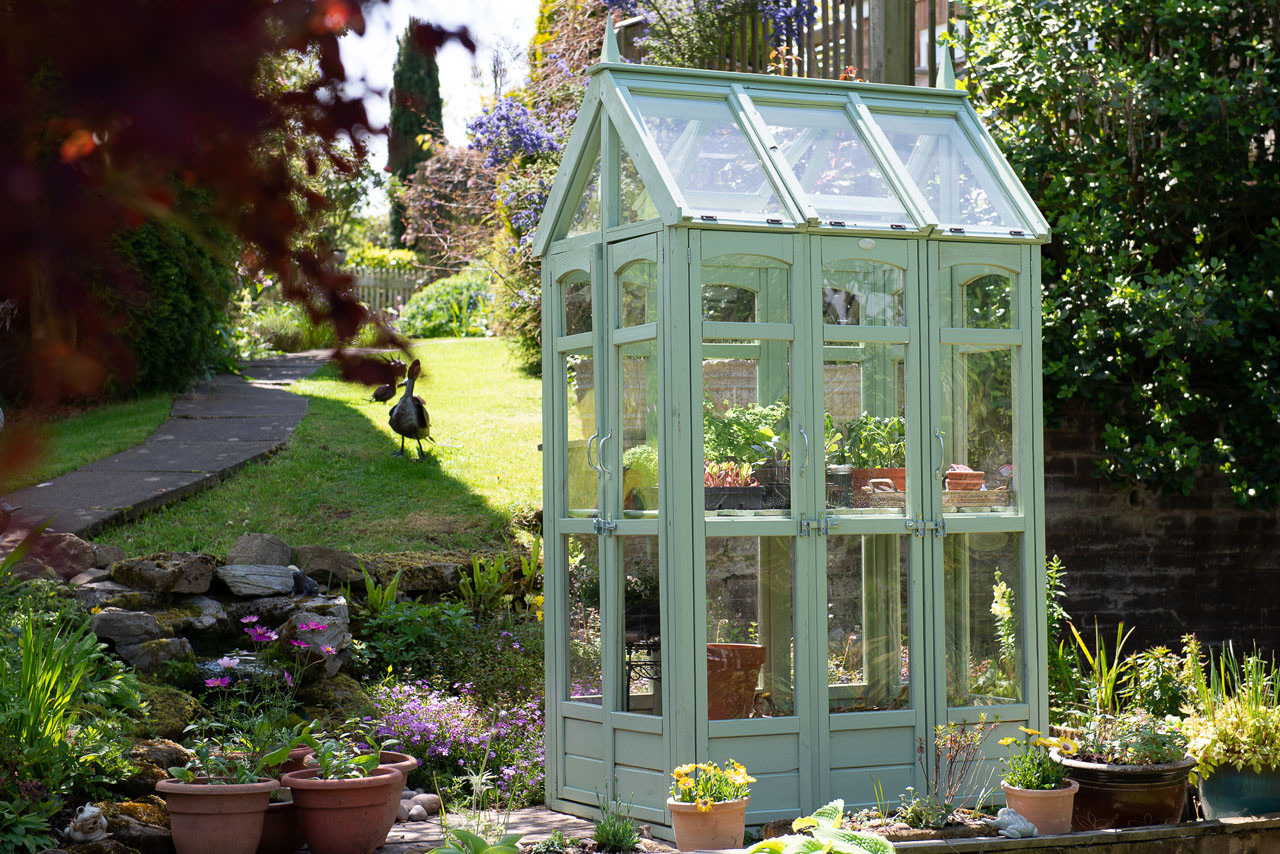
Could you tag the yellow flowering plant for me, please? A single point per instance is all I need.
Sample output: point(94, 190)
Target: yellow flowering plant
point(706, 783)
point(1029, 765)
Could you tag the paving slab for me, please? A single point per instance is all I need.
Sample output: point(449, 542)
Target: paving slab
point(224, 457)
point(213, 430)
point(533, 823)
point(274, 428)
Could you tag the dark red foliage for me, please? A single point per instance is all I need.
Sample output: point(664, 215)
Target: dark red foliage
point(106, 105)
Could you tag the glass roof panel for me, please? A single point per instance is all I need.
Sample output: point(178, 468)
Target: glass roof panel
point(587, 216)
point(637, 204)
point(833, 165)
point(954, 179)
point(709, 156)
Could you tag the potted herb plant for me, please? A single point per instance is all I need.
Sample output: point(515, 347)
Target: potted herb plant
point(640, 478)
point(342, 801)
point(216, 803)
point(738, 441)
point(876, 449)
point(1132, 769)
point(708, 805)
point(1234, 734)
point(1036, 785)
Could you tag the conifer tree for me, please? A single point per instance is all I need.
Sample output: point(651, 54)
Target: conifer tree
point(416, 111)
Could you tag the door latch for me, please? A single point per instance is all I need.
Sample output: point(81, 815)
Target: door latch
point(605, 526)
point(919, 525)
point(818, 527)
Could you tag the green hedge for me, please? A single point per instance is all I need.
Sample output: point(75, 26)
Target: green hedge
point(453, 307)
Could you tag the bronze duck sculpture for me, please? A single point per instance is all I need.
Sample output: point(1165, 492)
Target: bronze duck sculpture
point(409, 416)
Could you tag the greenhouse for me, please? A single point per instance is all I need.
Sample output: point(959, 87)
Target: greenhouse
point(792, 451)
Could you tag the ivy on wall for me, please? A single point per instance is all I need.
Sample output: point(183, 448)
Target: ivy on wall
point(1147, 133)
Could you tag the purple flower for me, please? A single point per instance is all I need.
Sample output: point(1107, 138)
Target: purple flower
point(252, 618)
point(328, 650)
point(296, 642)
point(261, 635)
point(288, 678)
point(227, 662)
point(220, 682)
point(312, 627)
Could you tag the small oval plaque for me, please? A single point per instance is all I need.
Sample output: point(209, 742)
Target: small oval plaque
point(866, 243)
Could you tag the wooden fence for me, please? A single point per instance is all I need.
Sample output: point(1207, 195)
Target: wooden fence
point(844, 39)
point(383, 289)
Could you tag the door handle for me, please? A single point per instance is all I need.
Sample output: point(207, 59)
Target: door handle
point(607, 471)
point(594, 436)
point(942, 453)
point(805, 436)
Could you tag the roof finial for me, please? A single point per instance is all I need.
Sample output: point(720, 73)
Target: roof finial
point(610, 52)
point(946, 71)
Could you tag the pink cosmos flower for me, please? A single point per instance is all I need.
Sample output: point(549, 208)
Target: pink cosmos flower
point(328, 650)
point(261, 635)
point(227, 662)
point(220, 682)
point(302, 644)
point(288, 678)
point(312, 627)
point(252, 618)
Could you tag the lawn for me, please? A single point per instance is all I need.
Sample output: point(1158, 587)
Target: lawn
point(336, 483)
point(77, 440)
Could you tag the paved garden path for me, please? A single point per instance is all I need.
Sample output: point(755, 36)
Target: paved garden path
point(213, 430)
point(534, 824)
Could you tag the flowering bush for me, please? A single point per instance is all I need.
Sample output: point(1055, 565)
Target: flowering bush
point(706, 783)
point(456, 737)
point(1029, 764)
point(509, 131)
point(454, 306)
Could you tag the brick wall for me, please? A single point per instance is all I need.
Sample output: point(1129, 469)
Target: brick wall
point(1164, 565)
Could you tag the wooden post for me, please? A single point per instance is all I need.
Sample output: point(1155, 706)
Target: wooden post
point(891, 24)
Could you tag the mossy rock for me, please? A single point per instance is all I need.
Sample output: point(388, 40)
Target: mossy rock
point(332, 701)
point(106, 846)
point(175, 619)
point(137, 600)
point(170, 711)
point(433, 574)
point(149, 810)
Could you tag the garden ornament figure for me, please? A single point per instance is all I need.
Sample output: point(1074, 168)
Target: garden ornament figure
point(6, 514)
point(409, 416)
point(386, 391)
point(89, 825)
point(1011, 824)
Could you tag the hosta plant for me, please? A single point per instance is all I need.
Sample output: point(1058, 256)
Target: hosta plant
point(824, 831)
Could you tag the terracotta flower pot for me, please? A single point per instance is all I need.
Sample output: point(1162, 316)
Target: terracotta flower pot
point(1127, 795)
point(296, 762)
point(343, 816)
point(404, 763)
point(720, 827)
point(963, 480)
point(281, 833)
point(863, 477)
point(1048, 809)
point(733, 669)
point(218, 818)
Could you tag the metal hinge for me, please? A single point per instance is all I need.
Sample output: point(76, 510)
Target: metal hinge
point(605, 526)
point(688, 253)
point(919, 525)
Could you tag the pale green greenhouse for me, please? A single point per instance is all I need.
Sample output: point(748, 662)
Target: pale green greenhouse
point(822, 297)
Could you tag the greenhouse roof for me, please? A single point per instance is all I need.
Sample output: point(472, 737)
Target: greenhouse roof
point(786, 152)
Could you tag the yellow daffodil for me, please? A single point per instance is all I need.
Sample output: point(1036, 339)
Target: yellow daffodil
point(1030, 731)
point(1005, 742)
point(703, 804)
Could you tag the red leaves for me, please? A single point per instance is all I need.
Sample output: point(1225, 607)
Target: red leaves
point(79, 144)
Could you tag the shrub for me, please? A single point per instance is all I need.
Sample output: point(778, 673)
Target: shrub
point(454, 736)
point(499, 658)
point(271, 325)
point(456, 306)
point(367, 256)
point(176, 317)
point(615, 830)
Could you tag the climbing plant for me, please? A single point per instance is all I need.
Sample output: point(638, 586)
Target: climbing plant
point(1147, 132)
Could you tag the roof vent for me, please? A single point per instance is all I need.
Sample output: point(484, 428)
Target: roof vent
point(774, 221)
point(898, 227)
point(835, 222)
point(956, 230)
point(709, 218)
point(1017, 232)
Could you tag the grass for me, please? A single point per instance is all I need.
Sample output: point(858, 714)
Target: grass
point(335, 483)
point(66, 444)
